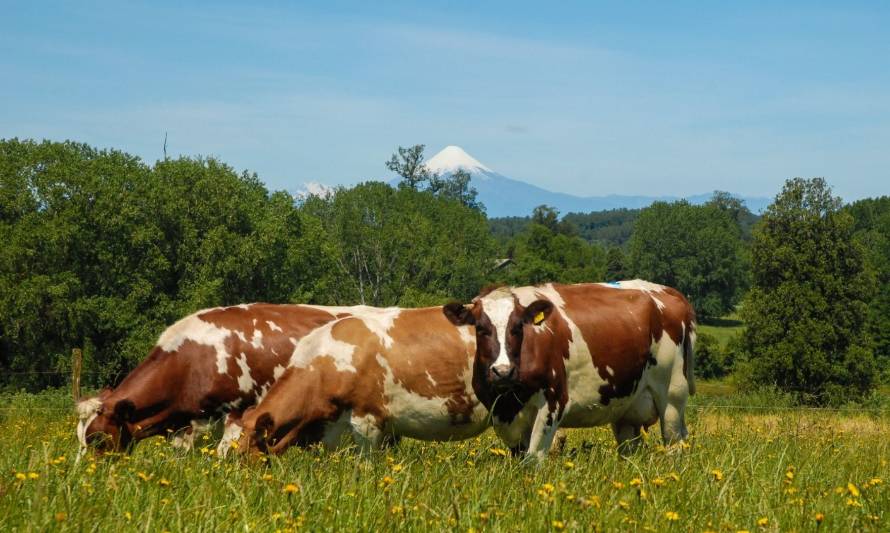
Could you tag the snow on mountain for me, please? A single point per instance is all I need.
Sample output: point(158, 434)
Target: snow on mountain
point(504, 196)
point(452, 158)
point(313, 188)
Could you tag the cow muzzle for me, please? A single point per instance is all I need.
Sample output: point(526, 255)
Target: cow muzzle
point(502, 375)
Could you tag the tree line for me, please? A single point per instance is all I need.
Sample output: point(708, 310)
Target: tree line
point(102, 251)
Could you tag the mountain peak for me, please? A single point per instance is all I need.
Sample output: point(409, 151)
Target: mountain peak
point(452, 158)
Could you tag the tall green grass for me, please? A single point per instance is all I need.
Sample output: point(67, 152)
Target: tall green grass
point(782, 468)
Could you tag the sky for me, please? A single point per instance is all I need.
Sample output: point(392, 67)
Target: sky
point(587, 98)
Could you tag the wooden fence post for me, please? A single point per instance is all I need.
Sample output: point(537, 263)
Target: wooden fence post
point(76, 365)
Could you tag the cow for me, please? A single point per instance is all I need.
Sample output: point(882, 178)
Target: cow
point(372, 379)
point(581, 355)
point(213, 363)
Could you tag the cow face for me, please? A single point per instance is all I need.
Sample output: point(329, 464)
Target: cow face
point(103, 425)
point(502, 324)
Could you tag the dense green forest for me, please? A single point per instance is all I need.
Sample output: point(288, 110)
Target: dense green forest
point(101, 251)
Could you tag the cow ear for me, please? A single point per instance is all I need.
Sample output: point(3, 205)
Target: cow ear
point(123, 411)
point(459, 314)
point(537, 312)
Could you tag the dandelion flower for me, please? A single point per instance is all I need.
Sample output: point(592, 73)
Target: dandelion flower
point(854, 491)
point(569, 465)
point(672, 516)
point(21, 476)
point(636, 482)
point(558, 524)
point(819, 518)
point(763, 522)
point(291, 488)
point(718, 474)
point(164, 482)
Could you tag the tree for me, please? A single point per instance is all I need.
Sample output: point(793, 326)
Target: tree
point(872, 229)
point(544, 252)
point(455, 186)
point(696, 249)
point(408, 163)
point(616, 262)
point(102, 251)
point(807, 311)
point(401, 246)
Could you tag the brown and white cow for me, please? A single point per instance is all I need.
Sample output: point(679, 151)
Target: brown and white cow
point(373, 378)
point(581, 355)
point(213, 363)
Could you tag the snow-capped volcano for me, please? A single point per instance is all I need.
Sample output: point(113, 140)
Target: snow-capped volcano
point(503, 196)
point(452, 158)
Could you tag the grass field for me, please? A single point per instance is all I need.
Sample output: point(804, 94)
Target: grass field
point(761, 469)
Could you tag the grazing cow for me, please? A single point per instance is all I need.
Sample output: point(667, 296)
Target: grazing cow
point(579, 356)
point(374, 378)
point(216, 362)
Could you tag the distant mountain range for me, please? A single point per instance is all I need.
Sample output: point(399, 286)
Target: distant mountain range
point(504, 196)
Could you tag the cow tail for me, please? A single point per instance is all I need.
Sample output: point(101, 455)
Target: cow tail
point(689, 358)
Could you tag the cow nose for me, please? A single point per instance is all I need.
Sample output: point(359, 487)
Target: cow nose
point(503, 372)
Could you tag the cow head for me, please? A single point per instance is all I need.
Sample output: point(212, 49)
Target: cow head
point(502, 326)
point(104, 423)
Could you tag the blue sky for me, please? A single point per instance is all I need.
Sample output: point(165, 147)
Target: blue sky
point(580, 97)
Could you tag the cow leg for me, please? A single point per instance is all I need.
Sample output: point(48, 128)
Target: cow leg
point(673, 420)
point(543, 431)
point(559, 442)
point(231, 433)
point(366, 432)
point(185, 438)
point(627, 435)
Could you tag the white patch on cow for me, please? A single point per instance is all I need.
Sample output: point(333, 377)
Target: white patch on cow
point(366, 432)
point(277, 372)
point(380, 322)
point(499, 308)
point(641, 285)
point(321, 343)
point(232, 405)
point(245, 381)
point(231, 433)
point(87, 411)
point(273, 326)
point(241, 336)
point(466, 335)
point(429, 377)
point(257, 340)
point(415, 416)
point(243, 306)
point(254, 322)
point(192, 328)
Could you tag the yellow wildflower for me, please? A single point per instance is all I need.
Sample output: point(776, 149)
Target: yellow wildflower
point(854, 491)
point(636, 482)
point(267, 477)
point(718, 474)
point(387, 481)
point(396, 509)
point(569, 464)
point(21, 476)
point(675, 476)
point(672, 516)
point(763, 522)
point(291, 488)
point(548, 488)
point(558, 524)
point(33, 475)
point(658, 482)
point(618, 484)
point(60, 517)
point(164, 482)
point(128, 516)
point(819, 517)
point(499, 451)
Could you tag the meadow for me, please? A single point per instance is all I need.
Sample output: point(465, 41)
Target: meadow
point(766, 467)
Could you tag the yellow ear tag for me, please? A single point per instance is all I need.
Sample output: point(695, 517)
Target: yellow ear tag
point(539, 318)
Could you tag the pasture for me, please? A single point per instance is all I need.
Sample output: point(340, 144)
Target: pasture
point(763, 468)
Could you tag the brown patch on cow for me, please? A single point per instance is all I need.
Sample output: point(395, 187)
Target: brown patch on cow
point(618, 327)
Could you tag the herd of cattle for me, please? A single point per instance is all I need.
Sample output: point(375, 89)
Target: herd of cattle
point(525, 360)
